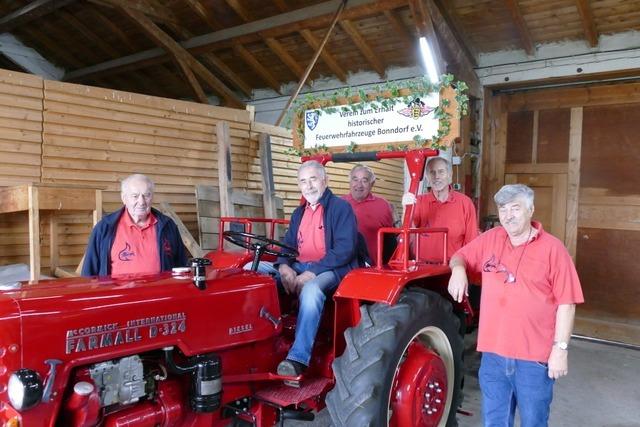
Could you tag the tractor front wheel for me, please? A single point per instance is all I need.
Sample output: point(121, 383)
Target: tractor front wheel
point(402, 366)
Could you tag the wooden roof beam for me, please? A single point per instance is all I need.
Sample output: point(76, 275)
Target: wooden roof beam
point(178, 52)
point(363, 46)
point(240, 10)
point(588, 25)
point(108, 23)
point(464, 65)
point(325, 55)
point(155, 11)
point(284, 56)
point(317, 15)
point(205, 14)
point(30, 12)
point(198, 93)
point(88, 34)
point(521, 26)
point(442, 13)
point(424, 28)
point(265, 74)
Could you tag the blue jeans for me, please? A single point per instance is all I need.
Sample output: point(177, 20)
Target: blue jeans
point(312, 298)
point(507, 383)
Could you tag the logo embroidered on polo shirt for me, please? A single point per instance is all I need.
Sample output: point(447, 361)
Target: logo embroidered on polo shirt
point(126, 254)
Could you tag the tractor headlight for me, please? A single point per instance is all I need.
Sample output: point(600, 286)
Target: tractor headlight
point(25, 389)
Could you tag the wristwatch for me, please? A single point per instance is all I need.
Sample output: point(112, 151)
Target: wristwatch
point(562, 345)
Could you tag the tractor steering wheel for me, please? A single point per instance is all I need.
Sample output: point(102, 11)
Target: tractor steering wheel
point(260, 245)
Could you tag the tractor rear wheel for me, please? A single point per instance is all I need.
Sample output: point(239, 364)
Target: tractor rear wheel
point(402, 366)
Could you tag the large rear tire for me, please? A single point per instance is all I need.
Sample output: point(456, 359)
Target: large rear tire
point(402, 366)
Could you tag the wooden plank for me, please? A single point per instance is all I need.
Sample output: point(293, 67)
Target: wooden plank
point(224, 169)
point(34, 233)
point(573, 181)
point(593, 325)
point(602, 196)
point(240, 10)
point(54, 247)
point(607, 217)
point(521, 26)
point(266, 172)
point(326, 56)
point(244, 198)
point(227, 73)
point(559, 207)
point(187, 238)
point(192, 81)
point(534, 138)
point(588, 24)
point(561, 168)
point(64, 273)
point(207, 193)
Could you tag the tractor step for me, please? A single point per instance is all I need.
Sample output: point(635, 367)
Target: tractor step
point(284, 395)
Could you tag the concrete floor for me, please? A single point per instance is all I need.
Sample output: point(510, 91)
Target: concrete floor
point(601, 390)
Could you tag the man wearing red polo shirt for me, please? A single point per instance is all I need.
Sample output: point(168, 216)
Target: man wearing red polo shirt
point(529, 291)
point(372, 212)
point(136, 238)
point(442, 207)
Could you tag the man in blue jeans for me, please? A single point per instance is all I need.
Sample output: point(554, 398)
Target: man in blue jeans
point(529, 291)
point(324, 231)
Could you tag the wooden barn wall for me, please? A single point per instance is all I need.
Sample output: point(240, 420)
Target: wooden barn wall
point(88, 136)
point(389, 173)
point(578, 148)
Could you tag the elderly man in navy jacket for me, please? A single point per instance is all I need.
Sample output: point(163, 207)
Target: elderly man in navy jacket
point(136, 238)
point(324, 231)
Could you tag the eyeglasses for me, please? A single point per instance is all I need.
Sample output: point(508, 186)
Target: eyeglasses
point(494, 266)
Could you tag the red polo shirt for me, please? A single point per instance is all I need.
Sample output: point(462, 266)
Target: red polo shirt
point(517, 320)
point(372, 213)
point(311, 246)
point(135, 249)
point(457, 213)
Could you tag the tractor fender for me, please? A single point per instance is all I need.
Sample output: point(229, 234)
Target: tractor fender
point(386, 285)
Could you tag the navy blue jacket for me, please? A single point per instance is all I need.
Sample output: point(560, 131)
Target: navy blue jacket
point(97, 260)
point(340, 236)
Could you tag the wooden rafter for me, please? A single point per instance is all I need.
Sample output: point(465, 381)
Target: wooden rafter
point(113, 28)
point(240, 10)
point(462, 63)
point(326, 56)
point(281, 5)
point(317, 16)
point(265, 74)
point(363, 46)
point(399, 28)
point(284, 56)
point(180, 54)
point(424, 28)
point(198, 93)
point(88, 34)
point(52, 46)
point(204, 14)
point(30, 12)
point(442, 11)
point(588, 25)
point(521, 26)
point(153, 10)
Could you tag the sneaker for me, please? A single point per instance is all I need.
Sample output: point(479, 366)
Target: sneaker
point(291, 368)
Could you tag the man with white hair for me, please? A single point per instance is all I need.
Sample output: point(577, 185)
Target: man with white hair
point(323, 230)
point(529, 291)
point(442, 207)
point(135, 239)
point(372, 212)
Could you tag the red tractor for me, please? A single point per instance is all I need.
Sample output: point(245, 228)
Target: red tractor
point(199, 346)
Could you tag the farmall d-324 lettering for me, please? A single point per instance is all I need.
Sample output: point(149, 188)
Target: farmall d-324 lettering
point(200, 346)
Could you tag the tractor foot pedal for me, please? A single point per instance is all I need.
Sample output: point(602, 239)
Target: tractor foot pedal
point(284, 395)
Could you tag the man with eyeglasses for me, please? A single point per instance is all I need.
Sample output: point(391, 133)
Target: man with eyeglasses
point(372, 212)
point(135, 239)
point(529, 291)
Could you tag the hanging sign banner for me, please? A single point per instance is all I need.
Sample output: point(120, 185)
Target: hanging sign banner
point(371, 124)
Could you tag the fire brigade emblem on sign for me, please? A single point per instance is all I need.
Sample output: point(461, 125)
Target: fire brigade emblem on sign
point(95, 337)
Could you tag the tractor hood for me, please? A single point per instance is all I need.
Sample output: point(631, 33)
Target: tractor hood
point(84, 319)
